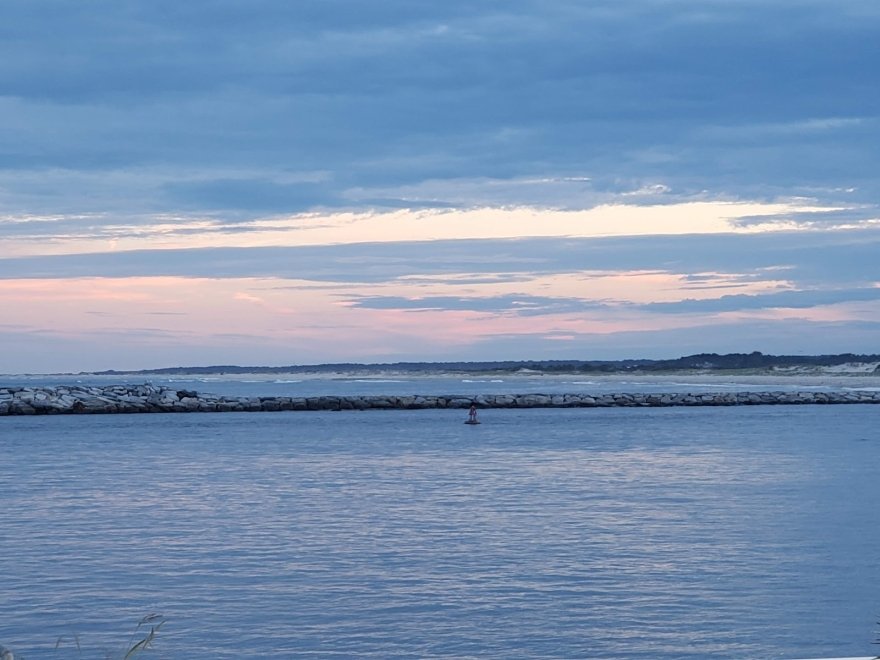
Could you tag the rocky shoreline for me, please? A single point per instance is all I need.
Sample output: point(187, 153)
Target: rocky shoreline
point(149, 398)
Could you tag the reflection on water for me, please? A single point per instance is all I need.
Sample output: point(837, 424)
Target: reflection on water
point(662, 533)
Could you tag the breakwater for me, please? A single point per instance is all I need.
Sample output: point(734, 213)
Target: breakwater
point(148, 398)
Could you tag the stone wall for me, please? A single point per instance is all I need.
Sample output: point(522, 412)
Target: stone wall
point(150, 398)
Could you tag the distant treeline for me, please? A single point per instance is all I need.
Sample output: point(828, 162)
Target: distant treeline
point(701, 361)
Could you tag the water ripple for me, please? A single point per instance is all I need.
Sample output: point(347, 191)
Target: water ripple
point(663, 533)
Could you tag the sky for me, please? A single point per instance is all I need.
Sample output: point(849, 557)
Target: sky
point(268, 182)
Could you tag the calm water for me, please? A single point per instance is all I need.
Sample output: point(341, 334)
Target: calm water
point(606, 533)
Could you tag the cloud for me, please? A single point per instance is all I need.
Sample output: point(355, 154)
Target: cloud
point(253, 194)
point(519, 305)
point(864, 215)
point(808, 259)
point(33, 235)
point(745, 99)
point(802, 299)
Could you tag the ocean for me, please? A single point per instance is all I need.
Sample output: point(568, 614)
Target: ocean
point(743, 532)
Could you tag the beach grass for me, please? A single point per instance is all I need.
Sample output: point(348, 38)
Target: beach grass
point(141, 639)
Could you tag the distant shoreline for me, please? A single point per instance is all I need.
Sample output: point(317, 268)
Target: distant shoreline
point(764, 379)
point(748, 365)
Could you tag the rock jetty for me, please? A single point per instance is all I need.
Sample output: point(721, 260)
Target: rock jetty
point(149, 398)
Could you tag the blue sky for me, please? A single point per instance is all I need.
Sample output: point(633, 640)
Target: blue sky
point(272, 182)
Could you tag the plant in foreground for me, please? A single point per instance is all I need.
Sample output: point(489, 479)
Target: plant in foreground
point(155, 621)
point(140, 639)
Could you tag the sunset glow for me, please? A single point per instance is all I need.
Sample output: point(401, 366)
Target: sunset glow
point(443, 181)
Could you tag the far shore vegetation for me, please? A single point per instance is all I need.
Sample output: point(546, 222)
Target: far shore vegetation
point(745, 363)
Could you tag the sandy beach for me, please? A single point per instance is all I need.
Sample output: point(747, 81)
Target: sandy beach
point(761, 381)
point(758, 381)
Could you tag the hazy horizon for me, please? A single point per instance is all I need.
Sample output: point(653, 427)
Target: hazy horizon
point(624, 365)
